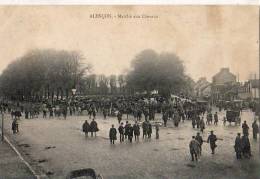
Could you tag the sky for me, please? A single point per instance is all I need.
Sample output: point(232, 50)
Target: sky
point(206, 38)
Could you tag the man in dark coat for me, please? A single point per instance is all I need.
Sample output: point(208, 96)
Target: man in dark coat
point(165, 118)
point(200, 140)
point(149, 130)
point(130, 133)
point(255, 129)
point(15, 126)
point(246, 148)
point(209, 118)
point(198, 121)
point(212, 140)
point(193, 121)
point(157, 131)
point(121, 132)
point(119, 117)
point(86, 128)
point(145, 128)
point(216, 118)
point(93, 127)
point(245, 128)
point(112, 134)
point(238, 146)
point(194, 148)
point(127, 125)
point(136, 129)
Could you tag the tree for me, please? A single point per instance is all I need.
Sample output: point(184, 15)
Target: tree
point(112, 83)
point(163, 72)
point(43, 73)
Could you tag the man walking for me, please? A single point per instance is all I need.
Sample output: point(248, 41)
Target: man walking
point(200, 140)
point(194, 148)
point(212, 140)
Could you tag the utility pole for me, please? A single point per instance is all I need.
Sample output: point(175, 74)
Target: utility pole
point(259, 70)
point(2, 113)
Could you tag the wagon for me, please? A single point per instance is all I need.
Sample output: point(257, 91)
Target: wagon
point(233, 116)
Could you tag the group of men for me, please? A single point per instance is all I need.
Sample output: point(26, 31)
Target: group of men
point(128, 131)
point(196, 145)
point(91, 128)
point(242, 144)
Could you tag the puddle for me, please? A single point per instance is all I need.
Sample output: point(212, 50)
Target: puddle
point(42, 161)
point(174, 149)
point(156, 150)
point(24, 145)
point(190, 165)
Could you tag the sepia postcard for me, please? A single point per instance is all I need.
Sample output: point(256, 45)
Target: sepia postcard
point(129, 91)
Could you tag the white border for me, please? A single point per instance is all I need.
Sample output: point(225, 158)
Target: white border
point(129, 2)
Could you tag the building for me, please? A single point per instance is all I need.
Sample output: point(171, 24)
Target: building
point(249, 90)
point(224, 86)
point(202, 88)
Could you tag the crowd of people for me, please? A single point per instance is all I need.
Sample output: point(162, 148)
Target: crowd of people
point(143, 112)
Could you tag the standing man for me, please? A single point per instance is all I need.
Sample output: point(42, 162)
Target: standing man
point(238, 146)
point(216, 118)
point(165, 118)
point(121, 132)
point(246, 148)
point(193, 121)
point(202, 125)
point(127, 125)
point(157, 131)
point(194, 149)
point(200, 140)
point(86, 128)
point(112, 134)
point(93, 127)
point(119, 117)
point(130, 133)
point(149, 130)
point(15, 126)
point(136, 129)
point(145, 126)
point(255, 129)
point(245, 128)
point(198, 121)
point(212, 140)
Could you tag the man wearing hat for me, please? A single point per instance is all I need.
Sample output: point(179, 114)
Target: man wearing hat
point(194, 148)
point(212, 140)
point(200, 140)
point(238, 146)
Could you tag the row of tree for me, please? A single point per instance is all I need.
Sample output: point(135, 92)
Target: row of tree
point(43, 73)
point(51, 73)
